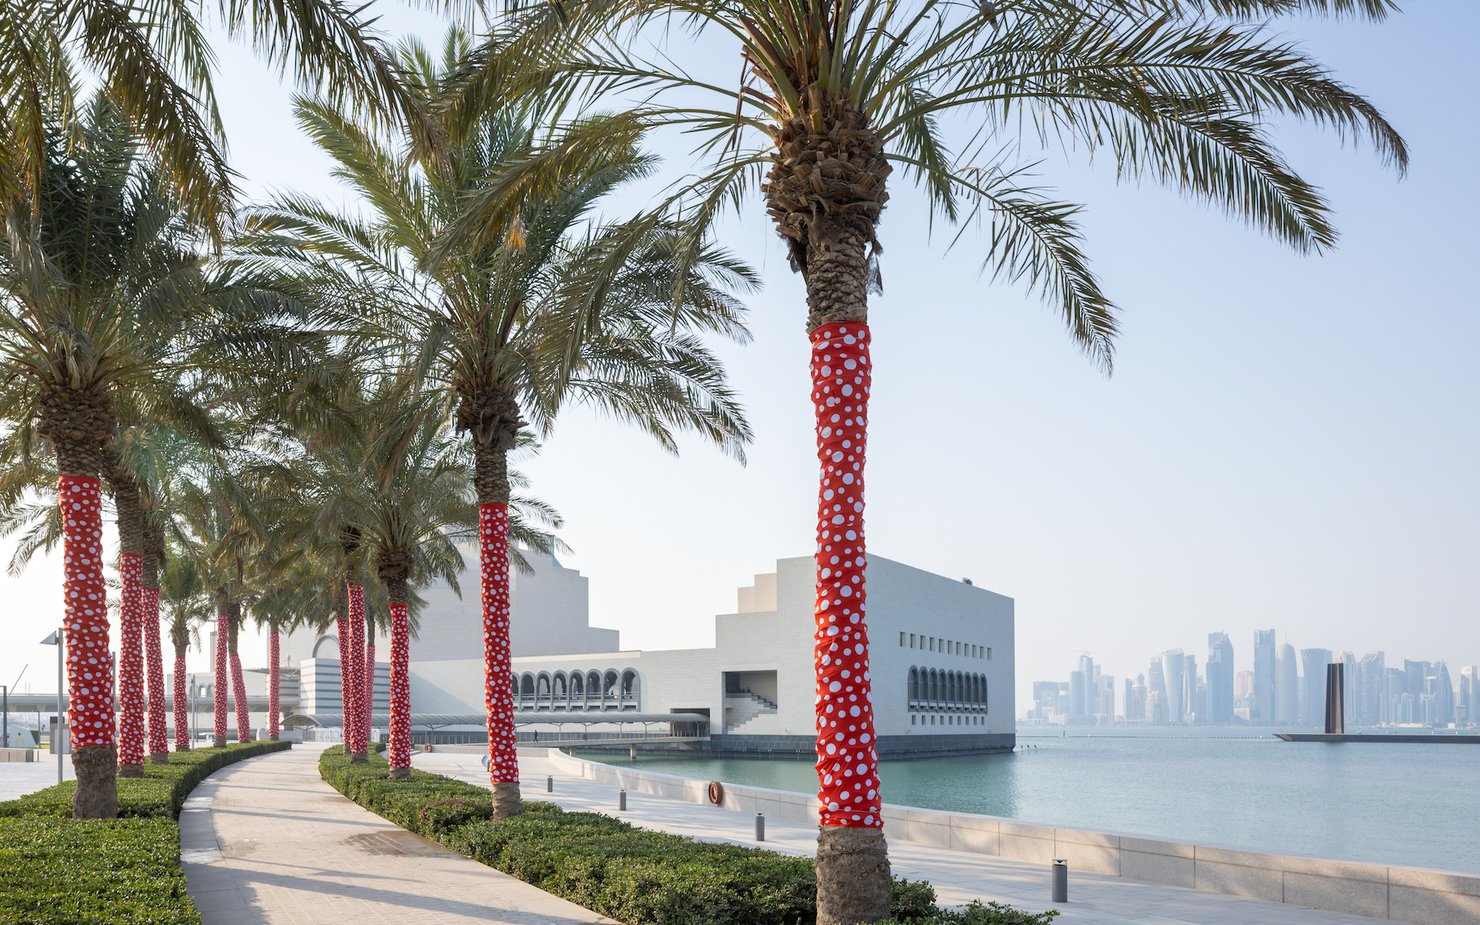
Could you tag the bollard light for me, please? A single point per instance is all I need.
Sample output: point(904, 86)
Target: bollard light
point(1060, 880)
point(622, 800)
point(760, 826)
point(549, 783)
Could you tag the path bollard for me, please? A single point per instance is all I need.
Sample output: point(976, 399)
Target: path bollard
point(549, 783)
point(621, 799)
point(760, 826)
point(1060, 880)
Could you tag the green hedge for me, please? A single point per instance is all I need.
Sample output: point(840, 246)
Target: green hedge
point(55, 869)
point(636, 876)
point(158, 794)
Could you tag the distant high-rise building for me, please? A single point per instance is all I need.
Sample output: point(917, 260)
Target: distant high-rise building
point(1220, 678)
point(1313, 664)
point(1173, 668)
point(1468, 677)
point(1440, 691)
point(1156, 693)
point(1371, 683)
point(1265, 659)
point(1287, 686)
point(1105, 697)
point(1190, 709)
point(1077, 685)
point(1349, 685)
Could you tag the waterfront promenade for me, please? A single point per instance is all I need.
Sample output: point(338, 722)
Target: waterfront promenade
point(958, 878)
point(267, 841)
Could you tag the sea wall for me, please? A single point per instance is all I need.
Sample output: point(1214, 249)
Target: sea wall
point(1406, 894)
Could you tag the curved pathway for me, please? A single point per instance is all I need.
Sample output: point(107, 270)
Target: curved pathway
point(267, 841)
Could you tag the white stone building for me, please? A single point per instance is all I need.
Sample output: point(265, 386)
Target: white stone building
point(942, 661)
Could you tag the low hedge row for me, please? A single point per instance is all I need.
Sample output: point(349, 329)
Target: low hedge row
point(636, 876)
point(55, 869)
point(158, 794)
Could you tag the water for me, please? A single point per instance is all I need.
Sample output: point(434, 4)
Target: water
point(1389, 804)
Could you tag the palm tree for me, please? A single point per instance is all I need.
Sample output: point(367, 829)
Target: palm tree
point(155, 559)
point(551, 313)
point(156, 64)
point(834, 98)
point(188, 604)
point(89, 271)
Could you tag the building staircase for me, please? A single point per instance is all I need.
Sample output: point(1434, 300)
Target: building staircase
point(742, 708)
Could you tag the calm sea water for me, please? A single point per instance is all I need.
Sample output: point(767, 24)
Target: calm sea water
point(1395, 804)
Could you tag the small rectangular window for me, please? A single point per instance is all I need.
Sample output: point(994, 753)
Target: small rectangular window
point(901, 639)
point(932, 643)
point(912, 640)
point(989, 651)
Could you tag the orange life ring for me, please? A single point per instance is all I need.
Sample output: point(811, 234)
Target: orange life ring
point(716, 792)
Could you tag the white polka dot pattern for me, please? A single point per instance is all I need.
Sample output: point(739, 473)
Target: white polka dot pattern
point(346, 697)
point(239, 699)
point(159, 735)
point(368, 704)
point(131, 660)
point(400, 750)
point(182, 694)
point(85, 617)
point(357, 725)
point(847, 762)
point(493, 555)
point(221, 680)
point(274, 683)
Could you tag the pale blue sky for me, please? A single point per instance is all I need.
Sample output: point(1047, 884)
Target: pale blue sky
point(1287, 442)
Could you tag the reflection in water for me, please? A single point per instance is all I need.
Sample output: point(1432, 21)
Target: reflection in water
point(1395, 804)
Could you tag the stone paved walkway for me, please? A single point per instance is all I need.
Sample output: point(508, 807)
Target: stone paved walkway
point(958, 878)
point(267, 841)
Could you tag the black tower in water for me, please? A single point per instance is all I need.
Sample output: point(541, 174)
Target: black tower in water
point(1335, 687)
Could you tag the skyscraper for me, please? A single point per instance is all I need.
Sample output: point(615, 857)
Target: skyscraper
point(1287, 686)
point(1441, 696)
point(1077, 685)
point(1313, 663)
point(1371, 684)
point(1173, 667)
point(1156, 693)
point(1220, 678)
point(1349, 686)
point(1191, 710)
point(1468, 677)
point(1265, 659)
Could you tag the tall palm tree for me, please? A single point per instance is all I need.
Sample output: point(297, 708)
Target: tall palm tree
point(155, 62)
point(550, 313)
point(188, 604)
point(89, 271)
point(835, 97)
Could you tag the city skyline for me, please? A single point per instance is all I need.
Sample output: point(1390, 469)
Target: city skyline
point(1281, 686)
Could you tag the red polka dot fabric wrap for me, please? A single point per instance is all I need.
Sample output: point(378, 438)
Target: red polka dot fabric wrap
point(182, 722)
point(239, 700)
point(159, 736)
point(847, 762)
point(131, 659)
point(346, 693)
point(498, 699)
point(400, 750)
point(356, 730)
point(85, 620)
point(222, 680)
point(274, 683)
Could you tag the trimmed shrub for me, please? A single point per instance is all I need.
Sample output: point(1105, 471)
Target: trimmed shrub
point(158, 794)
point(637, 876)
point(981, 914)
point(56, 870)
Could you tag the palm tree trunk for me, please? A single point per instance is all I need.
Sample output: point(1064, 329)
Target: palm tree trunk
point(491, 415)
point(221, 683)
point(131, 667)
point(274, 674)
point(357, 730)
point(79, 423)
point(400, 750)
point(182, 696)
point(369, 693)
point(346, 695)
point(825, 193)
point(159, 734)
point(238, 683)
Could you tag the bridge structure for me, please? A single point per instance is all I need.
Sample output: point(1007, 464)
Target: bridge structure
point(555, 729)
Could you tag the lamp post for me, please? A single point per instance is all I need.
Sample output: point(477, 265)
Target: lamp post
point(56, 639)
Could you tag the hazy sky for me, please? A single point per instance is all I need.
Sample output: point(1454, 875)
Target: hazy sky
point(1287, 442)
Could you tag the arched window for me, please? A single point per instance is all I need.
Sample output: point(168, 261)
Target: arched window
point(630, 685)
point(542, 690)
point(526, 689)
point(609, 689)
point(593, 688)
point(935, 685)
point(577, 689)
point(326, 646)
point(560, 689)
point(914, 685)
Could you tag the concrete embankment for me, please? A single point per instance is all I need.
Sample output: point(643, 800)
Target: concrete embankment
point(1406, 894)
